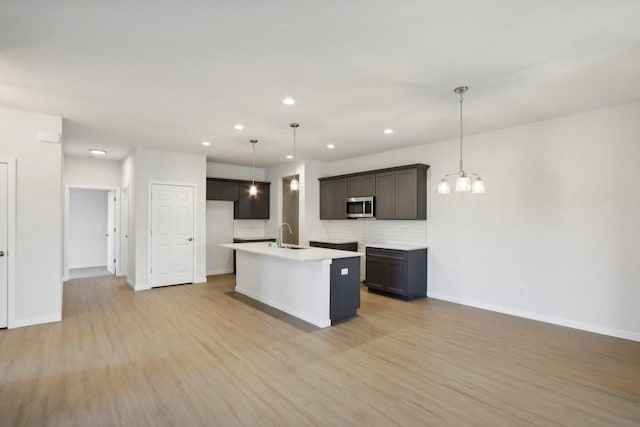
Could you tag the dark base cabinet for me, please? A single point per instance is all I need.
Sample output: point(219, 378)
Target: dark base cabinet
point(350, 246)
point(397, 272)
point(345, 289)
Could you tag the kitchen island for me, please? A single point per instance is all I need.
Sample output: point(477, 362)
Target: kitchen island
point(320, 286)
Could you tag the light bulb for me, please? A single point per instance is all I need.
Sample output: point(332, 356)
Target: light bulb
point(478, 186)
point(444, 187)
point(295, 185)
point(253, 190)
point(463, 183)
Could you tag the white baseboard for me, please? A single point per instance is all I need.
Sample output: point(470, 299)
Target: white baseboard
point(75, 267)
point(201, 280)
point(18, 323)
point(321, 323)
point(603, 330)
point(220, 271)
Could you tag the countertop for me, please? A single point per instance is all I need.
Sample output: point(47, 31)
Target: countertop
point(397, 246)
point(307, 254)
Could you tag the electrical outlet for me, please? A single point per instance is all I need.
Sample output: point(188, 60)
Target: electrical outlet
point(344, 271)
point(521, 289)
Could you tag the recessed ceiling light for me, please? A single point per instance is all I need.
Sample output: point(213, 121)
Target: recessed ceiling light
point(98, 152)
point(238, 127)
point(206, 143)
point(388, 131)
point(331, 146)
point(289, 101)
point(289, 156)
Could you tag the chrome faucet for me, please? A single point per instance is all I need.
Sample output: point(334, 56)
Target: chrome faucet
point(279, 239)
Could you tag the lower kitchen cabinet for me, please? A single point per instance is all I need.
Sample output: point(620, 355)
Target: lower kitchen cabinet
point(398, 272)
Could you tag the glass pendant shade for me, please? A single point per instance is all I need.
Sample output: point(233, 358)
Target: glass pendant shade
point(253, 190)
point(463, 184)
point(444, 187)
point(478, 186)
point(295, 185)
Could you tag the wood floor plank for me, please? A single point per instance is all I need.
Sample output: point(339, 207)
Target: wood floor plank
point(202, 355)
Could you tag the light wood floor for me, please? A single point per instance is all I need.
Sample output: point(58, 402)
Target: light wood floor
point(202, 355)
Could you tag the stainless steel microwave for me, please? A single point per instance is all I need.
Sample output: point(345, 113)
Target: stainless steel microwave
point(360, 207)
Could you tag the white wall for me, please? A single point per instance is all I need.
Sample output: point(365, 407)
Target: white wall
point(88, 172)
point(555, 237)
point(167, 167)
point(219, 230)
point(128, 223)
point(38, 291)
point(87, 228)
point(227, 171)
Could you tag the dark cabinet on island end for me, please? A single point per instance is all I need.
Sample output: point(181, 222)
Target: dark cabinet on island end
point(245, 205)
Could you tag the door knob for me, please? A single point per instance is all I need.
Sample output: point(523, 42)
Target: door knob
point(1, 253)
point(190, 239)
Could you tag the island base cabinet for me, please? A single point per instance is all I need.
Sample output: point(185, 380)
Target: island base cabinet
point(402, 273)
point(345, 289)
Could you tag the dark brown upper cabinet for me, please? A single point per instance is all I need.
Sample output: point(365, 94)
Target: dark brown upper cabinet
point(222, 190)
point(333, 199)
point(400, 192)
point(385, 202)
point(361, 186)
point(245, 206)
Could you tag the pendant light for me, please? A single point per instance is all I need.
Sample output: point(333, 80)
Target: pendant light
point(295, 184)
point(466, 181)
point(253, 190)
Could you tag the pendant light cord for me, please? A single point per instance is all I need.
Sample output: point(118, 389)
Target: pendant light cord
point(461, 166)
point(253, 167)
point(294, 153)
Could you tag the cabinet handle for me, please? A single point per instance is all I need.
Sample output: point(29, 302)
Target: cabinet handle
point(1, 254)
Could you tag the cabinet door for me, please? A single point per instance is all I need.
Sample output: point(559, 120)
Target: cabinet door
point(261, 202)
point(368, 185)
point(361, 186)
point(326, 200)
point(228, 191)
point(213, 190)
point(354, 186)
point(397, 277)
point(406, 194)
point(252, 207)
point(376, 273)
point(386, 195)
point(340, 198)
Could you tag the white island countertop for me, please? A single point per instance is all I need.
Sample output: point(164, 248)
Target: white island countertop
point(397, 246)
point(306, 254)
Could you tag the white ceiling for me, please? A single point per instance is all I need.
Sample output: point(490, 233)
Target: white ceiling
point(170, 74)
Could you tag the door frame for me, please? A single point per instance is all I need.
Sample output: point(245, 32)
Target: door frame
point(195, 226)
point(67, 189)
point(11, 239)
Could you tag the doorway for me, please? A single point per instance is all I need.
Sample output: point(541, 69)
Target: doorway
point(172, 251)
point(290, 210)
point(7, 240)
point(91, 232)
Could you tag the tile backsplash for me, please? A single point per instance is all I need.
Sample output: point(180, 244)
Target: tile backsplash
point(248, 228)
point(369, 231)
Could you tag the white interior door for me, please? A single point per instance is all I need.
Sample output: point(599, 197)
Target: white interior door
point(172, 245)
point(4, 231)
point(219, 230)
point(111, 232)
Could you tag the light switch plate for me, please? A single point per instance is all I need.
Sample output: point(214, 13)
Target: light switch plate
point(344, 271)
